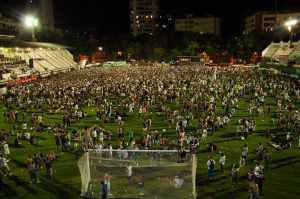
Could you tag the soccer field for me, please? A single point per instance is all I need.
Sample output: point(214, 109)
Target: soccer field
point(282, 176)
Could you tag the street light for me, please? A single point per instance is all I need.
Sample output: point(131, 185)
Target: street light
point(290, 24)
point(31, 23)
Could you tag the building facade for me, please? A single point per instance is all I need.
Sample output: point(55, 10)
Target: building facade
point(8, 26)
point(144, 15)
point(268, 21)
point(202, 25)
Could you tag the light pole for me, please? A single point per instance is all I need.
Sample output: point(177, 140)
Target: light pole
point(31, 23)
point(290, 24)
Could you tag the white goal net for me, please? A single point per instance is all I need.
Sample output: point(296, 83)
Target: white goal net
point(161, 174)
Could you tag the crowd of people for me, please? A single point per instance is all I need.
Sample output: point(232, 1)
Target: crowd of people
point(194, 102)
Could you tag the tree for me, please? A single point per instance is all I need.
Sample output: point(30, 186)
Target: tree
point(174, 53)
point(191, 49)
point(159, 53)
point(244, 46)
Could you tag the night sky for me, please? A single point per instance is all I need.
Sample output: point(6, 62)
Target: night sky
point(109, 16)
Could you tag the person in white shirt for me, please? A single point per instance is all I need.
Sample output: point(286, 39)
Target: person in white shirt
point(4, 166)
point(129, 173)
point(110, 151)
point(27, 136)
point(101, 137)
point(210, 166)
point(222, 162)
point(178, 182)
point(245, 152)
point(6, 149)
point(94, 135)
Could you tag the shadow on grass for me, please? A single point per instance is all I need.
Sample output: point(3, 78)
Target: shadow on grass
point(58, 189)
point(204, 180)
point(227, 140)
point(6, 192)
point(289, 163)
point(228, 135)
point(289, 158)
point(23, 184)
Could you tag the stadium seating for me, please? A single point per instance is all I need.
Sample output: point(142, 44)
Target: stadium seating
point(44, 61)
point(282, 50)
point(12, 66)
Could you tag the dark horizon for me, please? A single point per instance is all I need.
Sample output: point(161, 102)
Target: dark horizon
point(112, 17)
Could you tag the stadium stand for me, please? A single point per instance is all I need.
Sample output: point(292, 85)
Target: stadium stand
point(42, 61)
point(282, 52)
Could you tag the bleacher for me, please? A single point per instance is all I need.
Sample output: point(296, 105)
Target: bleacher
point(282, 52)
point(49, 60)
point(12, 67)
point(295, 55)
point(270, 50)
point(17, 62)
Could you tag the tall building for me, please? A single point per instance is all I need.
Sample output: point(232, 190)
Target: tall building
point(144, 16)
point(8, 26)
point(268, 21)
point(202, 25)
point(44, 10)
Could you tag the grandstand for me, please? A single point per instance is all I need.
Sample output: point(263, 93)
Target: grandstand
point(33, 58)
point(282, 53)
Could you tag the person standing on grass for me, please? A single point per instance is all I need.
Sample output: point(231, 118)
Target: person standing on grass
point(259, 180)
point(234, 174)
point(253, 192)
point(30, 168)
point(48, 166)
point(37, 166)
point(222, 162)
point(129, 173)
point(210, 166)
point(94, 135)
point(57, 141)
point(103, 190)
point(245, 153)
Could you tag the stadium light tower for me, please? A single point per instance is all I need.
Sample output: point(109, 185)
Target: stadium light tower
point(290, 24)
point(31, 23)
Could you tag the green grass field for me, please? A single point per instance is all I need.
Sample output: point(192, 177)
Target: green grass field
point(282, 178)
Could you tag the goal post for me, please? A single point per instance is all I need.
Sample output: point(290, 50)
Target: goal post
point(149, 174)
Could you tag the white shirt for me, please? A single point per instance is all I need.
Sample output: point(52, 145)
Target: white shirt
point(6, 149)
point(101, 136)
point(222, 160)
point(129, 171)
point(209, 163)
point(94, 134)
